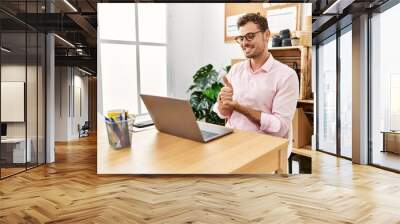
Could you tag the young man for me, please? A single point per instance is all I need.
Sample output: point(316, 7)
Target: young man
point(260, 93)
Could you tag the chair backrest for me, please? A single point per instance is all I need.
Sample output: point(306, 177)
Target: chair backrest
point(86, 125)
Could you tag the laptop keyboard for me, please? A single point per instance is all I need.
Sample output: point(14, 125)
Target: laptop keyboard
point(207, 135)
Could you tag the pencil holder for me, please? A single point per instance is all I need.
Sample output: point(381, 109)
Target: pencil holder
point(119, 133)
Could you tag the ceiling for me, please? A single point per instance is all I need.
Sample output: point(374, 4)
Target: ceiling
point(76, 22)
point(77, 25)
point(331, 15)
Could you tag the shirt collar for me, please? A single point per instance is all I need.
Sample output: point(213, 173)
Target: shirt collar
point(265, 67)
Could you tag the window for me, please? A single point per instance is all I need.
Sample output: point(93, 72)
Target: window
point(153, 67)
point(334, 93)
point(109, 15)
point(394, 102)
point(119, 76)
point(327, 96)
point(152, 22)
point(346, 93)
point(22, 78)
point(385, 88)
point(133, 56)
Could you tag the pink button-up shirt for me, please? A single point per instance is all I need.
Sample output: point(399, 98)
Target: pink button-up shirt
point(273, 89)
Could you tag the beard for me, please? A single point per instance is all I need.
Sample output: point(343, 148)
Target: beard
point(251, 51)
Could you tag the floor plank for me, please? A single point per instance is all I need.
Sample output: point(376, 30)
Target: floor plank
point(70, 191)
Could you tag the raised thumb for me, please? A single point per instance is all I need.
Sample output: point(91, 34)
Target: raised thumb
point(227, 83)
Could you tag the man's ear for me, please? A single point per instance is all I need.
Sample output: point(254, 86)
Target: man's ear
point(267, 35)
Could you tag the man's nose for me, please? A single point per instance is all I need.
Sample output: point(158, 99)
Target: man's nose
point(245, 45)
point(245, 42)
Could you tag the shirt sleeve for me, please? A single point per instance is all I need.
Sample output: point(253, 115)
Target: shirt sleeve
point(283, 108)
point(216, 110)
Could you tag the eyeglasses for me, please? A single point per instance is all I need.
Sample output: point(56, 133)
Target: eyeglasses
point(248, 36)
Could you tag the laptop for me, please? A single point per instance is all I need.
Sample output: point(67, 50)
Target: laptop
point(175, 116)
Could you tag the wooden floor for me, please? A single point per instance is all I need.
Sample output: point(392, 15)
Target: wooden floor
point(69, 191)
point(10, 171)
point(5, 172)
point(387, 159)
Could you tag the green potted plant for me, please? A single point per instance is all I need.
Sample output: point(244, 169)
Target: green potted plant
point(204, 92)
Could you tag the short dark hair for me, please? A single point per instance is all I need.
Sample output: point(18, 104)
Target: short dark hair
point(256, 18)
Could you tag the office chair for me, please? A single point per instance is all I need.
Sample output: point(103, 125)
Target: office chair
point(84, 130)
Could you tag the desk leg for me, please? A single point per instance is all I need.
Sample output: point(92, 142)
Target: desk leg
point(384, 143)
point(283, 162)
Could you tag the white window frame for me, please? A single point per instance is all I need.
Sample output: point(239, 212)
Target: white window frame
point(137, 44)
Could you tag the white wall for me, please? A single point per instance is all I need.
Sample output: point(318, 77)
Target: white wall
point(61, 103)
point(184, 50)
point(68, 81)
point(195, 38)
point(215, 51)
point(50, 95)
point(33, 126)
point(80, 83)
point(12, 73)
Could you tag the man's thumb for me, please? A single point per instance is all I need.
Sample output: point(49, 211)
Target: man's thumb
point(227, 83)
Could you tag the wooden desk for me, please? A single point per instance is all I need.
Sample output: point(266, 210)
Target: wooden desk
point(391, 141)
point(153, 152)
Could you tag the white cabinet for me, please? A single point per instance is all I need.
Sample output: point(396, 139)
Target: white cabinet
point(12, 101)
point(17, 146)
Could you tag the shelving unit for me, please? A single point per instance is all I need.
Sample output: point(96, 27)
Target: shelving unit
point(298, 58)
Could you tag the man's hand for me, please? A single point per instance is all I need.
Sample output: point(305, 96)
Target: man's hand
point(225, 98)
point(226, 93)
point(227, 105)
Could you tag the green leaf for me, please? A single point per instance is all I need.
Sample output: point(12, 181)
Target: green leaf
point(227, 68)
point(213, 91)
point(204, 93)
point(192, 87)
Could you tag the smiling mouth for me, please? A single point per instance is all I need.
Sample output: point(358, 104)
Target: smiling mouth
point(246, 49)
